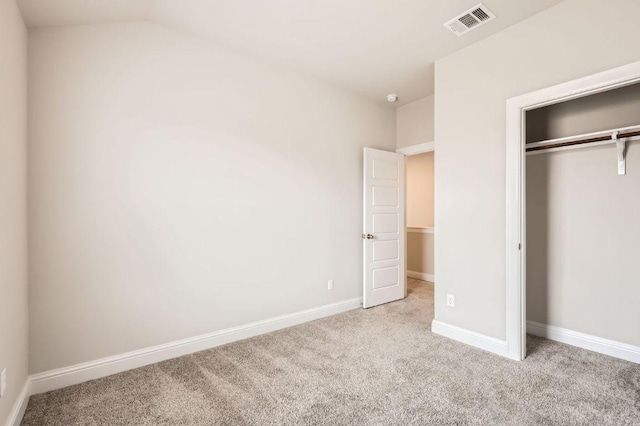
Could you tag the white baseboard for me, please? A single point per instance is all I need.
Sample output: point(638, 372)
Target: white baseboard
point(421, 276)
point(490, 344)
point(67, 376)
point(19, 407)
point(585, 341)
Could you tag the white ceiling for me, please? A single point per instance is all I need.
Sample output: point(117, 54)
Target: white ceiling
point(372, 47)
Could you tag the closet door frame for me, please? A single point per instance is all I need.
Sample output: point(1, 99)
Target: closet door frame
point(516, 184)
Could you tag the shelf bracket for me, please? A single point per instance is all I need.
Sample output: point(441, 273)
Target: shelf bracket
point(621, 145)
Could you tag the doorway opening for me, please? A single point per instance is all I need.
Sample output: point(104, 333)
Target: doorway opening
point(420, 223)
point(420, 216)
point(385, 231)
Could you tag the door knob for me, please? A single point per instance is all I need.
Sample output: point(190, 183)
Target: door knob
point(367, 236)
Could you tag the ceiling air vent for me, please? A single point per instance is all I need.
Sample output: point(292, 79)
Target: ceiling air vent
point(469, 20)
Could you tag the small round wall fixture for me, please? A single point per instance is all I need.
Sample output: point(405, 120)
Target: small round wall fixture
point(392, 97)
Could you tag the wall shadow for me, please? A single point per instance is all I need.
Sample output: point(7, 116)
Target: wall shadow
point(538, 187)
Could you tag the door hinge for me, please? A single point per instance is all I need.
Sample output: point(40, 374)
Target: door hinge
point(519, 246)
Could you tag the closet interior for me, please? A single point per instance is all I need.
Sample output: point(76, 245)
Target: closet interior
point(583, 215)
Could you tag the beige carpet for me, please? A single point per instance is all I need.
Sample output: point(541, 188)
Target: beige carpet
point(380, 366)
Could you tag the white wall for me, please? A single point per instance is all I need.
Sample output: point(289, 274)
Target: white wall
point(583, 235)
point(414, 122)
point(13, 249)
point(568, 41)
point(178, 189)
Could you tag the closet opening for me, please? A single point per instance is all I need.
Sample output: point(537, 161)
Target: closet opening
point(583, 236)
point(572, 207)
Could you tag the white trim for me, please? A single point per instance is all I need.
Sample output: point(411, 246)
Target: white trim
point(490, 344)
point(421, 230)
point(417, 149)
point(421, 276)
point(19, 406)
point(585, 341)
point(79, 373)
point(516, 194)
point(67, 376)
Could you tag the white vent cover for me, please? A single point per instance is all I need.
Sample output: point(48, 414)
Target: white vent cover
point(469, 20)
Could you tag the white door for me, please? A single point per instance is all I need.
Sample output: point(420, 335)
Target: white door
point(384, 228)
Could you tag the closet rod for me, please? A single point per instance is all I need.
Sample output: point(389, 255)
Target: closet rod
point(584, 141)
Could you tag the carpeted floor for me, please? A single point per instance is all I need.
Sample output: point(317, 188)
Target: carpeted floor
point(380, 366)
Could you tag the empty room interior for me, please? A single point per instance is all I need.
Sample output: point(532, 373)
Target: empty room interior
point(319, 212)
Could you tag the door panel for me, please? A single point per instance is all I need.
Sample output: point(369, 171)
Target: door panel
point(384, 223)
point(385, 250)
point(385, 277)
point(385, 169)
point(384, 227)
point(384, 196)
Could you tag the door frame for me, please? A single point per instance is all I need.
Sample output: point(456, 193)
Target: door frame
point(420, 148)
point(516, 185)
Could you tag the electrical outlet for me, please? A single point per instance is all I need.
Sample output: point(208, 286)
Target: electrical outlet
point(450, 300)
point(330, 285)
point(3, 382)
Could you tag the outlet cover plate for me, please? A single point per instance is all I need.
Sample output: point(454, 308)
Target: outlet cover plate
point(450, 300)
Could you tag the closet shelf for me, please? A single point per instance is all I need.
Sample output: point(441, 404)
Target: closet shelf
point(614, 136)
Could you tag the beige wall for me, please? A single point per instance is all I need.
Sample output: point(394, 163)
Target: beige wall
point(420, 190)
point(568, 41)
point(582, 222)
point(178, 189)
point(13, 255)
point(414, 123)
point(420, 252)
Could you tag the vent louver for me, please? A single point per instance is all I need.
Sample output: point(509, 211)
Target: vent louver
point(469, 20)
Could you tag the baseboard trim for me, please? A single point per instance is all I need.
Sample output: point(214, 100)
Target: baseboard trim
point(421, 276)
point(68, 376)
point(19, 406)
point(585, 341)
point(480, 341)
